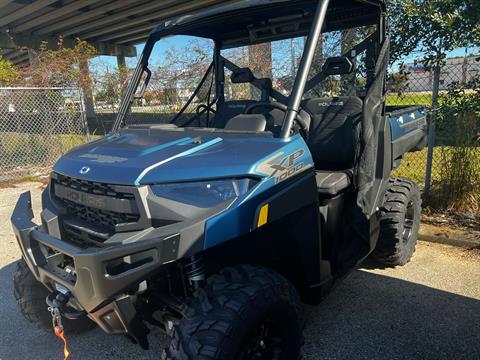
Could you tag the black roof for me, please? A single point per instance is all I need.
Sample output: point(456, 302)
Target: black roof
point(255, 21)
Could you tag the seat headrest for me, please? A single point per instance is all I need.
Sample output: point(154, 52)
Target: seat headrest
point(242, 75)
point(247, 122)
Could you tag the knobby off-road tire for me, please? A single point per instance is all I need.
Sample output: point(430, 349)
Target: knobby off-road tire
point(399, 223)
point(245, 312)
point(30, 295)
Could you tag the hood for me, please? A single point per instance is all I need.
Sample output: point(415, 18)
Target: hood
point(146, 156)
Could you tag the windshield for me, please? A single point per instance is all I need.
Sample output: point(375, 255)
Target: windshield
point(189, 82)
point(177, 65)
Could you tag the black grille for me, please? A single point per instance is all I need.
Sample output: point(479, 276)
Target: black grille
point(91, 187)
point(101, 218)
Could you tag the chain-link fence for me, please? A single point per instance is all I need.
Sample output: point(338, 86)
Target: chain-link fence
point(411, 84)
point(440, 89)
point(37, 125)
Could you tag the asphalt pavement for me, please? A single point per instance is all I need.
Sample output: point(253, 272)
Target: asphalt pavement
point(428, 309)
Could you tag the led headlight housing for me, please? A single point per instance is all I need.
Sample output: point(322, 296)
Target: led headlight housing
point(205, 194)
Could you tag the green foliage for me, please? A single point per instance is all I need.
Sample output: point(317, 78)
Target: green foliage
point(61, 67)
point(8, 72)
point(433, 27)
point(397, 82)
point(110, 88)
point(459, 120)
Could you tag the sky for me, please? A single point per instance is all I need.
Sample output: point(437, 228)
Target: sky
point(181, 42)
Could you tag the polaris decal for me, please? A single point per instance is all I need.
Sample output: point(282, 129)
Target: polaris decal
point(281, 166)
point(104, 159)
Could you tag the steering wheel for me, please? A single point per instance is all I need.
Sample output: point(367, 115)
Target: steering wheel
point(277, 105)
point(202, 109)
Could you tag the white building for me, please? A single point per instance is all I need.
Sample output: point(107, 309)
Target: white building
point(456, 69)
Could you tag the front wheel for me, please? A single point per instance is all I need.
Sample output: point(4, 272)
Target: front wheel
point(245, 312)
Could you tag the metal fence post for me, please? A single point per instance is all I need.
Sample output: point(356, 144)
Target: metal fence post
point(431, 127)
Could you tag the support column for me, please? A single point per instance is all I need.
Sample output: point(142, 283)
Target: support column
point(32, 57)
point(121, 61)
point(122, 72)
point(86, 84)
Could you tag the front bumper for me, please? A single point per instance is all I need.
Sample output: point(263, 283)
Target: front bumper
point(96, 281)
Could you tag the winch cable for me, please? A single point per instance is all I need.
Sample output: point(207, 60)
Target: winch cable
point(61, 334)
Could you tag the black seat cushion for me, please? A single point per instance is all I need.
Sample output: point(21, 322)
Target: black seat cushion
point(331, 183)
point(228, 110)
point(332, 137)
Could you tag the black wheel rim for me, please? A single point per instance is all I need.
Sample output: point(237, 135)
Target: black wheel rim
point(266, 341)
point(409, 222)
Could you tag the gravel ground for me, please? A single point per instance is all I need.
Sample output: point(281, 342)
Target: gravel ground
point(428, 309)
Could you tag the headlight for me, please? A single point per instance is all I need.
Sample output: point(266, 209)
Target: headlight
point(204, 194)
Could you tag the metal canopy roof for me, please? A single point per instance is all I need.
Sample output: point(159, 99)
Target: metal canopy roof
point(256, 21)
point(113, 27)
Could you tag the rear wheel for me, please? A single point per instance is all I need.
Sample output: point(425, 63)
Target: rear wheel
point(245, 312)
point(31, 294)
point(399, 223)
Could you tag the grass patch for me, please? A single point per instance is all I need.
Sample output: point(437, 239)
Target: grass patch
point(414, 164)
point(446, 172)
point(409, 99)
point(23, 155)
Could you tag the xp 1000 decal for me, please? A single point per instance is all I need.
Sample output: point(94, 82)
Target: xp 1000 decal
point(281, 166)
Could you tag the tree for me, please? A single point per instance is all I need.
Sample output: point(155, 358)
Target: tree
point(433, 27)
point(8, 72)
point(62, 67)
point(397, 82)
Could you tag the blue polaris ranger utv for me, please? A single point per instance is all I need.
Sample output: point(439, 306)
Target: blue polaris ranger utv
point(218, 225)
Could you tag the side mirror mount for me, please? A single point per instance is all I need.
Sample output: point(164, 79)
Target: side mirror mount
point(338, 65)
point(146, 75)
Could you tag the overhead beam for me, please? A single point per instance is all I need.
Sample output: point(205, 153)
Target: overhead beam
point(53, 15)
point(20, 58)
point(189, 6)
point(121, 16)
point(134, 39)
point(25, 11)
point(86, 17)
point(15, 41)
point(4, 3)
point(145, 29)
point(13, 54)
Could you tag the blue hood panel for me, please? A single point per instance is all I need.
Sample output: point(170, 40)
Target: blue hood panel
point(145, 156)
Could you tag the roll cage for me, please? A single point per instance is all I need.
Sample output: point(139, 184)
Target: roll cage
point(253, 22)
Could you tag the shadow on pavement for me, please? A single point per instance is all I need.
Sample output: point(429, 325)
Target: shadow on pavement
point(372, 316)
point(368, 316)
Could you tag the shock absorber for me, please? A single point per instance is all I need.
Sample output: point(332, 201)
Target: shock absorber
point(195, 271)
